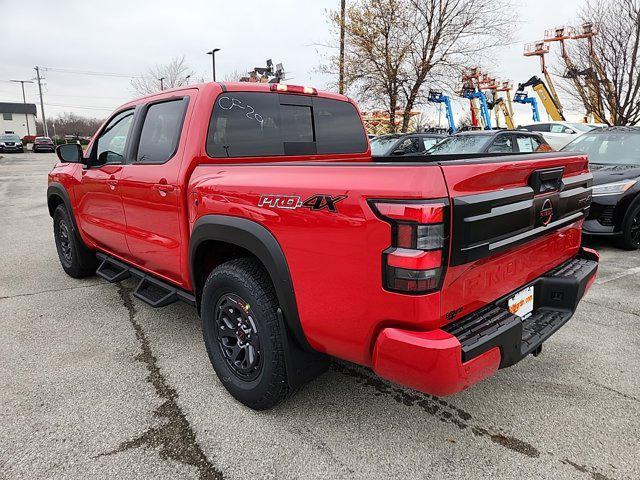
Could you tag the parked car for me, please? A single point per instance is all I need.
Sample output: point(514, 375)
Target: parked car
point(403, 143)
point(43, 144)
point(558, 134)
point(478, 142)
point(10, 142)
point(262, 206)
point(614, 160)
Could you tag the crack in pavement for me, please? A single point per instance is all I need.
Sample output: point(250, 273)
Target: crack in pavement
point(175, 438)
point(584, 469)
point(613, 390)
point(29, 294)
point(449, 413)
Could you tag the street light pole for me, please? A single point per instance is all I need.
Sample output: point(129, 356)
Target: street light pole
point(213, 61)
point(24, 101)
point(161, 83)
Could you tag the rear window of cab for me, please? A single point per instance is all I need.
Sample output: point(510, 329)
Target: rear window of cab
point(261, 124)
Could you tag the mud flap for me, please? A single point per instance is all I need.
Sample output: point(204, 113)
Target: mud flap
point(302, 365)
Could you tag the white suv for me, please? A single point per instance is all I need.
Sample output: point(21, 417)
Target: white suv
point(558, 134)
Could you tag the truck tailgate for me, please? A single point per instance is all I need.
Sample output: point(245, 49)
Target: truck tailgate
point(513, 219)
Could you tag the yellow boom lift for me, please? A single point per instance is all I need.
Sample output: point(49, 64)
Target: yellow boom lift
point(505, 107)
point(544, 94)
point(497, 104)
point(597, 74)
point(540, 49)
point(590, 94)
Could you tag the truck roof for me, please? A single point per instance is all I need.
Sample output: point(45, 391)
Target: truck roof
point(235, 87)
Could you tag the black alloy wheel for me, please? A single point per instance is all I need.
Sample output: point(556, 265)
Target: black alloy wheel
point(237, 336)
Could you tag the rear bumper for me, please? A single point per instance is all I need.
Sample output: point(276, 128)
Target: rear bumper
point(448, 360)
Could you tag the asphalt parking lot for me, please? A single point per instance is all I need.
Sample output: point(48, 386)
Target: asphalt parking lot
point(96, 384)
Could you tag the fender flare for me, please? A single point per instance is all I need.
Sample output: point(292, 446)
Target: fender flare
point(259, 241)
point(56, 189)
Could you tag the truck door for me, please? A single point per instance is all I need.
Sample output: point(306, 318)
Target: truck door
point(150, 190)
point(100, 211)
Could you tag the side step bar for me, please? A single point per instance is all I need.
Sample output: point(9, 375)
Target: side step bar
point(151, 290)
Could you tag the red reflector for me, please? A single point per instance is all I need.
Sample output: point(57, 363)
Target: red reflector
point(281, 87)
point(405, 236)
point(414, 212)
point(414, 259)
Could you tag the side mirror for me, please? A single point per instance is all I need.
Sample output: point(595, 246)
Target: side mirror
point(70, 153)
point(569, 131)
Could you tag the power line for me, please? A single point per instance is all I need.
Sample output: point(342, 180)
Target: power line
point(87, 107)
point(93, 73)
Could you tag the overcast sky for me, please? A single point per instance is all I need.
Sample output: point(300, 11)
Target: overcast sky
point(126, 37)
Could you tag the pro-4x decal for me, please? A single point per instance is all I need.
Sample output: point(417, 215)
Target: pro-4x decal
point(291, 202)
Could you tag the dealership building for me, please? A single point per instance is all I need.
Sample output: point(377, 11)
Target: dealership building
point(14, 118)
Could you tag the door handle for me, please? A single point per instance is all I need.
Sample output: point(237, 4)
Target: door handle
point(163, 188)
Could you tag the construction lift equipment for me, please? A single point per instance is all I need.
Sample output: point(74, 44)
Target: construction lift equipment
point(473, 94)
point(522, 97)
point(561, 35)
point(469, 81)
point(544, 95)
point(598, 74)
point(438, 97)
point(540, 49)
point(501, 106)
point(506, 86)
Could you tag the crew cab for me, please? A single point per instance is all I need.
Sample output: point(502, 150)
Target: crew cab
point(262, 206)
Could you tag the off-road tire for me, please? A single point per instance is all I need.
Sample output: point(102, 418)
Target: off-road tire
point(76, 259)
point(247, 280)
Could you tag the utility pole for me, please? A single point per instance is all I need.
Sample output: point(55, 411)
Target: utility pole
point(44, 119)
point(341, 60)
point(213, 61)
point(24, 101)
point(161, 83)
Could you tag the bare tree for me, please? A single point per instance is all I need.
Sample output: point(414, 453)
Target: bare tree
point(235, 75)
point(375, 51)
point(69, 123)
point(395, 47)
point(176, 73)
point(609, 65)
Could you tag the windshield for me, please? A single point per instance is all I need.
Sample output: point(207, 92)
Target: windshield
point(381, 146)
point(611, 148)
point(460, 144)
point(9, 138)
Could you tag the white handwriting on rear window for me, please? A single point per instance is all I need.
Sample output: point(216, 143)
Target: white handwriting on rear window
point(228, 103)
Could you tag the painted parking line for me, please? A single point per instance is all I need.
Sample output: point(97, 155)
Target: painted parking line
point(626, 273)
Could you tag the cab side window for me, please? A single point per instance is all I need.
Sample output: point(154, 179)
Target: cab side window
point(161, 131)
point(110, 145)
point(410, 145)
point(525, 144)
point(502, 144)
point(558, 128)
point(540, 127)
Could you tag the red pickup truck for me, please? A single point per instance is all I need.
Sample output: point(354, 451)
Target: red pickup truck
point(262, 206)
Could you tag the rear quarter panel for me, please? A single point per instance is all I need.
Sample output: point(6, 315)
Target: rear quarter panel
point(335, 258)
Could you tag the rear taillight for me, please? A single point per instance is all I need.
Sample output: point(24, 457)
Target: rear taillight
point(416, 260)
